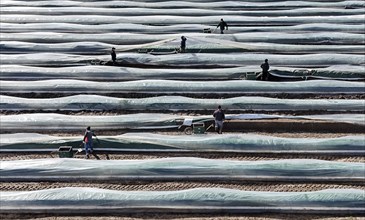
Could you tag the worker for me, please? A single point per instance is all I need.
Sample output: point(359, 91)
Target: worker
point(218, 119)
point(114, 55)
point(88, 142)
point(183, 44)
point(222, 24)
point(265, 70)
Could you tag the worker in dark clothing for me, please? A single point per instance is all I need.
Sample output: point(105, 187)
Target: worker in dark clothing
point(222, 24)
point(88, 142)
point(114, 55)
point(183, 44)
point(219, 119)
point(265, 70)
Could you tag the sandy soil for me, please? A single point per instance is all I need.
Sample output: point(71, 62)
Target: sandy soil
point(223, 156)
point(169, 186)
point(179, 217)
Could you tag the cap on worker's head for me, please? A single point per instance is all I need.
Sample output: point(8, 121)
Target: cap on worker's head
point(182, 37)
point(266, 60)
point(221, 19)
point(219, 106)
point(88, 128)
point(113, 48)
